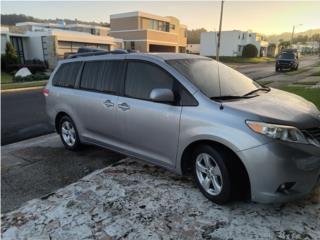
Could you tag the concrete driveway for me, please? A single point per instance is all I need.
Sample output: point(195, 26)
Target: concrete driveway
point(132, 200)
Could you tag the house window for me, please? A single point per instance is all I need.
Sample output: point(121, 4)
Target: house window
point(172, 26)
point(239, 48)
point(250, 35)
point(242, 35)
point(158, 25)
point(18, 45)
point(239, 36)
point(132, 45)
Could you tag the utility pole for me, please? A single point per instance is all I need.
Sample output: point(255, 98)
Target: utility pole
point(292, 35)
point(293, 28)
point(219, 34)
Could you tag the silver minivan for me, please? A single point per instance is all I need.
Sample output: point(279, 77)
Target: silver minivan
point(192, 115)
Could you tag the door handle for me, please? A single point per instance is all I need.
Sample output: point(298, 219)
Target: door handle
point(124, 106)
point(108, 103)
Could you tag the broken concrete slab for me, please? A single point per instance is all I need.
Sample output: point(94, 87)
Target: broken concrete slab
point(133, 200)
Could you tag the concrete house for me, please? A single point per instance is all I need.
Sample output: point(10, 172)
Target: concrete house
point(193, 48)
point(52, 42)
point(149, 33)
point(232, 43)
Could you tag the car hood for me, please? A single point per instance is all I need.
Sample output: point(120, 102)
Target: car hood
point(286, 59)
point(279, 107)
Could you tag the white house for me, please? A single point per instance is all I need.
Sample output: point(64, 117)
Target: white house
point(51, 42)
point(231, 43)
point(193, 48)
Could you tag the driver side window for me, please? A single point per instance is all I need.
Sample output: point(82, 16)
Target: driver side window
point(142, 77)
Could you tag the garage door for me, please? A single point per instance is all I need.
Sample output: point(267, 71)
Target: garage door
point(161, 48)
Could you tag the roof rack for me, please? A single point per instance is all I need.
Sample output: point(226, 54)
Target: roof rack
point(86, 52)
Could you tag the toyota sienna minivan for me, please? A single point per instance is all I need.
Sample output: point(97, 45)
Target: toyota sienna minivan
point(192, 115)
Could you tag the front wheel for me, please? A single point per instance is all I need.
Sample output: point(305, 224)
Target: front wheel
point(69, 134)
point(211, 174)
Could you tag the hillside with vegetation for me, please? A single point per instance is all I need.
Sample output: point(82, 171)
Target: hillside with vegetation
point(298, 36)
point(12, 19)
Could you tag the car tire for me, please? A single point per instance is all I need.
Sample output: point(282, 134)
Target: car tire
point(69, 134)
point(277, 69)
point(211, 174)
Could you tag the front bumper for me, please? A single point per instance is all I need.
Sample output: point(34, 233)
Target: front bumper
point(276, 163)
point(286, 64)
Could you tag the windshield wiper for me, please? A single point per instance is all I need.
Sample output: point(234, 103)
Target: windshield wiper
point(229, 97)
point(266, 89)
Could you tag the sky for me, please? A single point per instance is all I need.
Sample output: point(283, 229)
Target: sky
point(267, 17)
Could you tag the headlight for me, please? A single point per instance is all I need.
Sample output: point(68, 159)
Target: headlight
point(281, 132)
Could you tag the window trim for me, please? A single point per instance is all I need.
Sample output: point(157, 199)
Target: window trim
point(119, 85)
point(175, 82)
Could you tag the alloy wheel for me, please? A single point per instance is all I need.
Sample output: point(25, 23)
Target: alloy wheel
point(68, 133)
point(209, 174)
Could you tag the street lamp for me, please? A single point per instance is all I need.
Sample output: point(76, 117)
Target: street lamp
point(293, 28)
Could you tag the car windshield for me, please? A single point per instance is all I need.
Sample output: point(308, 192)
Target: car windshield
point(286, 56)
point(205, 75)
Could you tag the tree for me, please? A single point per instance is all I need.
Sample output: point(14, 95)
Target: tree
point(9, 57)
point(193, 36)
point(249, 50)
point(284, 45)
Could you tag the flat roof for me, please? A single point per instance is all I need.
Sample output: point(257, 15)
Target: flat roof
point(139, 14)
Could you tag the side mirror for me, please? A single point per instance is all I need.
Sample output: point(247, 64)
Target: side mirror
point(163, 95)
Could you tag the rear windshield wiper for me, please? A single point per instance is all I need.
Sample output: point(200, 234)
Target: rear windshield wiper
point(266, 89)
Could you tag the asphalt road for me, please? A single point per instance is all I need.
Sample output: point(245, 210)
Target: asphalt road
point(39, 166)
point(23, 116)
point(23, 113)
point(262, 70)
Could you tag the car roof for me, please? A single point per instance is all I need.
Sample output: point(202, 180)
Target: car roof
point(172, 56)
point(157, 56)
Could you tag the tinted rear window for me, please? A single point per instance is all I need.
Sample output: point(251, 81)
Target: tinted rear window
point(287, 56)
point(102, 76)
point(66, 75)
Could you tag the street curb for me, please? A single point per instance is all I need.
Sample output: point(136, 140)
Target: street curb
point(21, 89)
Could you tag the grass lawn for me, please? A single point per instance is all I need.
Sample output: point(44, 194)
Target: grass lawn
point(311, 94)
point(6, 78)
point(23, 85)
point(315, 73)
point(246, 60)
point(300, 70)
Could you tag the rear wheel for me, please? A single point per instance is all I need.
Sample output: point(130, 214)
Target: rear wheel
point(211, 174)
point(69, 134)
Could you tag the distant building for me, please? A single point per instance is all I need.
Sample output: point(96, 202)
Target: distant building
point(232, 43)
point(311, 47)
point(149, 33)
point(51, 42)
point(193, 48)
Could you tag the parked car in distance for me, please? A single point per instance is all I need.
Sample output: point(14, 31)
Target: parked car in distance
point(192, 115)
point(287, 60)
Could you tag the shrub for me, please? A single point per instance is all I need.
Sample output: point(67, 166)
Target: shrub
point(9, 57)
point(33, 67)
point(250, 50)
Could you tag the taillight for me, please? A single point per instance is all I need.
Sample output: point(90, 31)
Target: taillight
point(45, 92)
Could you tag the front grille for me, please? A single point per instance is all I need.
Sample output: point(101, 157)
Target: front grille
point(314, 132)
point(284, 63)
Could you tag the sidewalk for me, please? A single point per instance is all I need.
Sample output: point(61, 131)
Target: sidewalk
point(132, 200)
